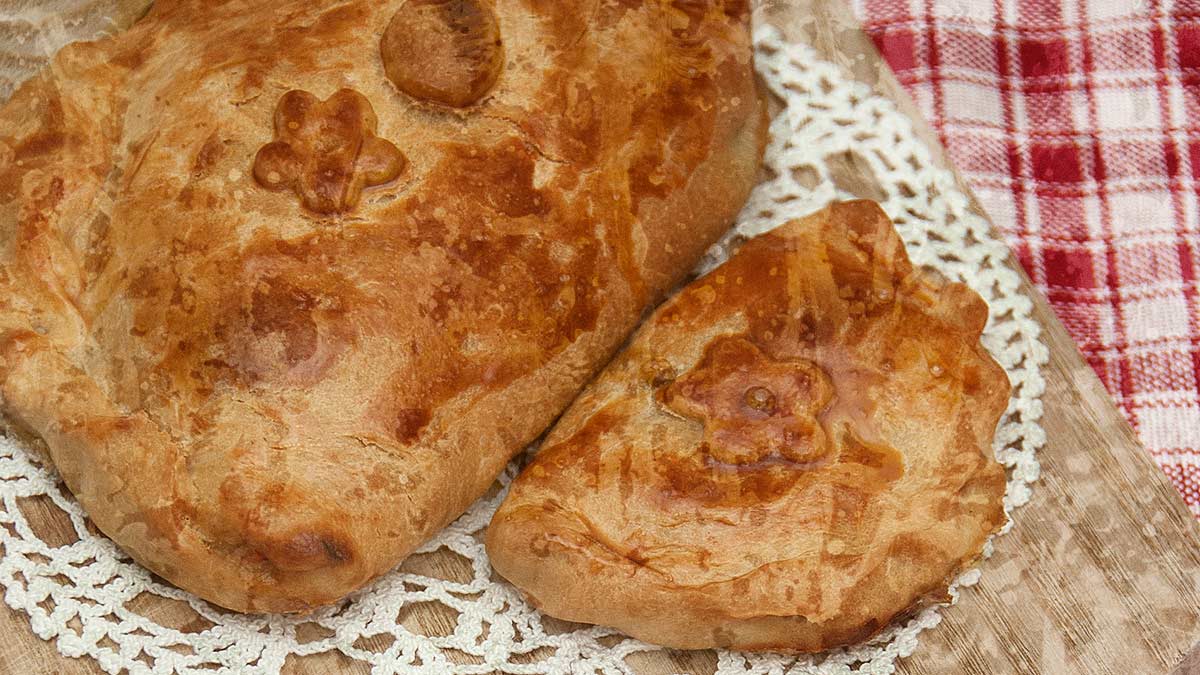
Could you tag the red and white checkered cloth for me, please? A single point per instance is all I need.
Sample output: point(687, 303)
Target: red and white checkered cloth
point(1077, 123)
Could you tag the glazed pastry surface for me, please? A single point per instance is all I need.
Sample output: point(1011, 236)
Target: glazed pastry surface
point(282, 290)
point(790, 453)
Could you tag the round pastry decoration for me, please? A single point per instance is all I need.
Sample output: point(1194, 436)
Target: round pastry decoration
point(444, 51)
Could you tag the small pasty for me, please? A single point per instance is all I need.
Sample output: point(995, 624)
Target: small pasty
point(791, 453)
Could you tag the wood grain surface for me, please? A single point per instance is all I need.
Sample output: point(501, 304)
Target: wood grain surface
point(1100, 574)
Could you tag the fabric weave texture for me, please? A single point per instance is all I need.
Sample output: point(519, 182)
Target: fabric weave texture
point(1077, 123)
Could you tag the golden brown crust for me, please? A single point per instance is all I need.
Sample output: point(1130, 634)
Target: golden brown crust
point(790, 453)
point(270, 373)
point(445, 51)
point(326, 151)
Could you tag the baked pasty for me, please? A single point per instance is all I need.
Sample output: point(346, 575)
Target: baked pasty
point(282, 302)
point(792, 452)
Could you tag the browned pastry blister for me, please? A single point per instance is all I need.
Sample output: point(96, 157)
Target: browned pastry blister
point(282, 301)
point(792, 452)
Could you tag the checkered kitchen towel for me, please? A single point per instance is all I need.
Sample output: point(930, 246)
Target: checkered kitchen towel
point(1077, 123)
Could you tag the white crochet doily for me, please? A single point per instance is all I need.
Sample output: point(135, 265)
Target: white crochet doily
point(92, 600)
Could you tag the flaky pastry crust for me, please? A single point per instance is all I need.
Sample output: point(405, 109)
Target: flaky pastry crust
point(790, 453)
point(282, 302)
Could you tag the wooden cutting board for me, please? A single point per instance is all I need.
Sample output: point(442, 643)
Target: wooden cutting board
point(1101, 573)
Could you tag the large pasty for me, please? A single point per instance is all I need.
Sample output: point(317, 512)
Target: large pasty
point(283, 285)
point(791, 452)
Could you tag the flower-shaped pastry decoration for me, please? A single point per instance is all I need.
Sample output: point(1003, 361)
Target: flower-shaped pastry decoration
point(326, 151)
point(754, 408)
